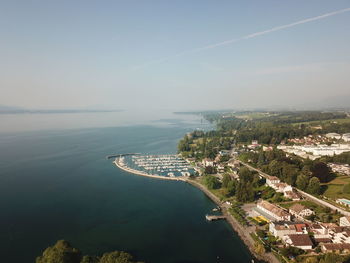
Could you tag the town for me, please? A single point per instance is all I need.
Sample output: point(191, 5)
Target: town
point(291, 197)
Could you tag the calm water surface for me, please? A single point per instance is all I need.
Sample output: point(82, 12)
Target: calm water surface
point(57, 184)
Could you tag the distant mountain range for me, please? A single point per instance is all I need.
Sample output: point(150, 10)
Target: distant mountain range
point(18, 110)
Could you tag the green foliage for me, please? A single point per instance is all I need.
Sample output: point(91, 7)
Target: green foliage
point(211, 182)
point(322, 172)
point(291, 251)
point(314, 186)
point(346, 188)
point(63, 252)
point(302, 182)
point(225, 180)
point(116, 257)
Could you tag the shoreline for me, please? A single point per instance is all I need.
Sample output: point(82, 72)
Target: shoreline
point(241, 231)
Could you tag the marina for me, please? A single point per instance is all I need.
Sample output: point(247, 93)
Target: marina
point(164, 165)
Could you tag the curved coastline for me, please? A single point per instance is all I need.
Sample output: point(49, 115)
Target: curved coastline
point(236, 226)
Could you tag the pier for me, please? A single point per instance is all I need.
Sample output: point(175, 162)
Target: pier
point(120, 155)
point(214, 217)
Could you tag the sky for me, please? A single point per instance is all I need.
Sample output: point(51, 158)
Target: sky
point(179, 55)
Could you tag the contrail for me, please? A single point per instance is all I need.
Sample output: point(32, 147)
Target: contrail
point(253, 35)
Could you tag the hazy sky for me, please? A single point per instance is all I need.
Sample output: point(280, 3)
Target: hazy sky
point(163, 54)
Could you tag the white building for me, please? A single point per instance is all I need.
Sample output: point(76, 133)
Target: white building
point(273, 211)
point(300, 211)
point(333, 135)
point(344, 221)
point(208, 162)
point(302, 241)
point(346, 137)
point(271, 180)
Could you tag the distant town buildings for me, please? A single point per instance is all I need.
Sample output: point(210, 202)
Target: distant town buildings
point(315, 151)
point(340, 168)
point(346, 137)
point(333, 135)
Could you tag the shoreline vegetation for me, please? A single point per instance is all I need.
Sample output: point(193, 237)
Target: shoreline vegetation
point(241, 231)
point(63, 252)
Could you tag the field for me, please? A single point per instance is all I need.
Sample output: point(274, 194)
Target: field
point(344, 120)
point(334, 189)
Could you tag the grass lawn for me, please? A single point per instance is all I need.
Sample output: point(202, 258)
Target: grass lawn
point(344, 120)
point(334, 188)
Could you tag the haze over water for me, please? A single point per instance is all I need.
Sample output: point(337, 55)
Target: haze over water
point(57, 184)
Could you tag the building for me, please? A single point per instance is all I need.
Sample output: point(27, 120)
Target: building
point(271, 180)
point(233, 164)
point(340, 168)
point(340, 234)
point(333, 135)
point(335, 248)
point(275, 212)
point(280, 229)
point(208, 162)
point(319, 231)
point(301, 241)
point(344, 221)
point(282, 187)
point(295, 196)
point(300, 211)
point(283, 228)
point(346, 137)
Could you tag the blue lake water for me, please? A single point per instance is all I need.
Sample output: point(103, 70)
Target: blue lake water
point(57, 184)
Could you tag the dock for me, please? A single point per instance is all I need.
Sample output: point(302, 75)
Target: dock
point(120, 155)
point(214, 217)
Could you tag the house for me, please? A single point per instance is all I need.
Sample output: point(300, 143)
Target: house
point(282, 187)
point(344, 221)
point(295, 196)
point(301, 241)
point(300, 211)
point(340, 234)
point(221, 168)
point(207, 162)
point(319, 231)
point(233, 164)
point(346, 137)
point(333, 135)
point(271, 180)
point(280, 229)
point(335, 248)
point(275, 212)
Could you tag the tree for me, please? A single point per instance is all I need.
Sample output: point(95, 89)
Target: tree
point(259, 248)
point(310, 260)
point(231, 188)
point(225, 180)
point(302, 182)
point(116, 257)
point(322, 172)
point(211, 182)
point(61, 252)
point(314, 186)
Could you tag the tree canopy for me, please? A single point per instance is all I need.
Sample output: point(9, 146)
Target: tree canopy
point(63, 252)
